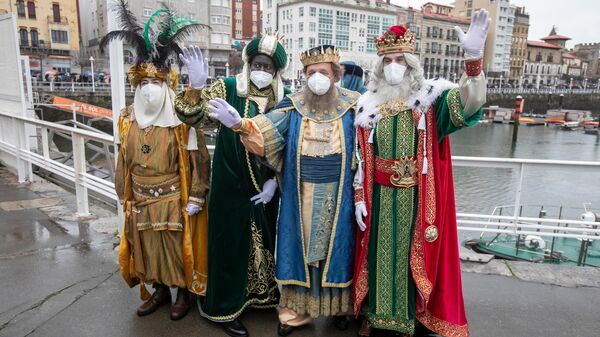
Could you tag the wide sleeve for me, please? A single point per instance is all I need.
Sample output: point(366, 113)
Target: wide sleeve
point(461, 107)
point(264, 135)
point(200, 170)
point(191, 105)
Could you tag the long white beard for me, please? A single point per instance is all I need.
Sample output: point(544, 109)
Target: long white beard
point(402, 90)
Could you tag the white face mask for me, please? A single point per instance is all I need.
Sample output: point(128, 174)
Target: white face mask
point(151, 94)
point(394, 73)
point(261, 79)
point(319, 84)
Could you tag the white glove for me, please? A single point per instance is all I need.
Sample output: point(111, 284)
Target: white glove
point(192, 209)
point(474, 41)
point(196, 64)
point(268, 191)
point(223, 112)
point(360, 212)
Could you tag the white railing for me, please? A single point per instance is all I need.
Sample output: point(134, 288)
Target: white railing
point(57, 86)
point(471, 222)
point(77, 172)
point(588, 91)
point(522, 225)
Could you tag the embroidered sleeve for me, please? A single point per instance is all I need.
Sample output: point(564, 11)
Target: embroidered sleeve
point(191, 104)
point(200, 160)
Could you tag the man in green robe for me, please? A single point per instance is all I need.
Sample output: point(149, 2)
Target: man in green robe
point(242, 203)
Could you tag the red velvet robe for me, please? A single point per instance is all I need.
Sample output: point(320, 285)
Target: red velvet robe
point(435, 265)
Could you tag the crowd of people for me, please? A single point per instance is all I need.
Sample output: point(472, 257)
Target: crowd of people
point(334, 200)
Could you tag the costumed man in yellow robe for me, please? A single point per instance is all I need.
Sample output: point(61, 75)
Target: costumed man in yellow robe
point(162, 173)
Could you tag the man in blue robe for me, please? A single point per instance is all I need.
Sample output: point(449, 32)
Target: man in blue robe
point(308, 139)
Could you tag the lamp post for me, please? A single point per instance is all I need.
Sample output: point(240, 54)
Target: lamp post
point(93, 81)
point(585, 83)
point(571, 83)
point(598, 86)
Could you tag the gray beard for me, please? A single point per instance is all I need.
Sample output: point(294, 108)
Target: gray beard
point(326, 102)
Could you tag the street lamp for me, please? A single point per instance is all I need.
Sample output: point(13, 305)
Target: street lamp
point(585, 83)
point(93, 82)
point(598, 87)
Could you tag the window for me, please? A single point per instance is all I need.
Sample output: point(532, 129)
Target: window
point(24, 37)
point(225, 20)
point(325, 26)
point(342, 30)
point(215, 19)
point(550, 59)
point(300, 27)
point(34, 38)
point(147, 12)
point(311, 42)
point(301, 43)
point(222, 3)
point(373, 31)
point(353, 17)
point(387, 23)
point(313, 11)
point(55, 12)
point(21, 8)
point(60, 36)
point(312, 27)
point(361, 32)
point(31, 10)
point(301, 11)
point(361, 18)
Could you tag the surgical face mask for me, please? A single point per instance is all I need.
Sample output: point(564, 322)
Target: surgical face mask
point(394, 73)
point(319, 84)
point(261, 79)
point(151, 93)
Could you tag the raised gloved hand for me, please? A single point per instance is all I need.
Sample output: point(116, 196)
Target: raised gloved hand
point(192, 209)
point(474, 41)
point(360, 212)
point(268, 191)
point(221, 111)
point(196, 64)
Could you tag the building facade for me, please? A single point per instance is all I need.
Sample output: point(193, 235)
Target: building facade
point(518, 49)
point(574, 67)
point(214, 43)
point(497, 54)
point(246, 23)
point(350, 25)
point(543, 64)
point(441, 51)
point(589, 53)
point(48, 33)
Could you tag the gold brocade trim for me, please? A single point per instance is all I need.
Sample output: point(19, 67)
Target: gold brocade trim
point(442, 327)
point(273, 142)
point(346, 100)
point(392, 107)
point(430, 206)
point(248, 163)
point(198, 285)
point(159, 226)
point(261, 266)
point(301, 227)
point(254, 302)
point(455, 107)
point(324, 282)
point(193, 103)
point(388, 322)
point(324, 305)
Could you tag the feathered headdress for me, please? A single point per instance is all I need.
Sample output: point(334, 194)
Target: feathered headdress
point(154, 42)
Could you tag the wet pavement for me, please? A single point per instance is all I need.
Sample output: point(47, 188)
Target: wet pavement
point(59, 277)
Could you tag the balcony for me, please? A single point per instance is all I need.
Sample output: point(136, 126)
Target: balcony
point(63, 20)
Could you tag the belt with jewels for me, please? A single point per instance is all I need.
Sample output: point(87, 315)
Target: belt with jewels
point(156, 186)
point(397, 173)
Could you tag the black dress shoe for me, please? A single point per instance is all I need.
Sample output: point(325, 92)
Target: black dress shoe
point(284, 329)
point(234, 328)
point(341, 322)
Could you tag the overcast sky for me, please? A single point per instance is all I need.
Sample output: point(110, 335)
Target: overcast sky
point(577, 19)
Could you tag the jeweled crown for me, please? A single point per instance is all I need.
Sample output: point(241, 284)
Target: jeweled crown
point(397, 39)
point(320, 54)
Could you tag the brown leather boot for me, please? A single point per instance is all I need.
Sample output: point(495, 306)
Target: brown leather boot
point(161, 296)
point(182, 304)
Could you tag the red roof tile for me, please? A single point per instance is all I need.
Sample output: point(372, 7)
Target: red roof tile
point(556, 37)
point(542, 44)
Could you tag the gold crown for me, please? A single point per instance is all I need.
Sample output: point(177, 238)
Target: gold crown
point(320, 54)
point(148, 69)
point(392, 42)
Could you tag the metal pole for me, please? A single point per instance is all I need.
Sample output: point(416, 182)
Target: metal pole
point(518, 108)
point(79, 165)
point(117, 83)
point(93, 80)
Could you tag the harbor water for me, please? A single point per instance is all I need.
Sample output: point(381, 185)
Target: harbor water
point(479, 190)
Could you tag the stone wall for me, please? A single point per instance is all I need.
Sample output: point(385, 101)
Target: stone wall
point(539, 103)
